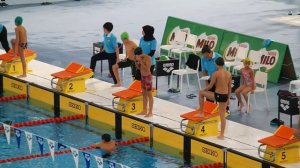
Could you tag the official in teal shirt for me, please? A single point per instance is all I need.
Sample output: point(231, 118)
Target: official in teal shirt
point(148, 44)
point(110, 51)
point(208, 63)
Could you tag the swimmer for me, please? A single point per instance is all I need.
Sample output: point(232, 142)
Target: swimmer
point(19, 44)
point(106, 144)
point(8, 122)
point(221, 79)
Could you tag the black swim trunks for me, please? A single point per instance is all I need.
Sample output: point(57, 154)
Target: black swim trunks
point(23, 46)
point(221, 97)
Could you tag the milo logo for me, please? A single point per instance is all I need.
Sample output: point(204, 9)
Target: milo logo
point(269, 58)
point(172, 36)
point(203, 39)
point(234, 49)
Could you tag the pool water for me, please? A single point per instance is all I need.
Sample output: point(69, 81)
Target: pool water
point(73, 133)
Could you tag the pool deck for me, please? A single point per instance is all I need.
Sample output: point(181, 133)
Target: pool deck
point(239, 137)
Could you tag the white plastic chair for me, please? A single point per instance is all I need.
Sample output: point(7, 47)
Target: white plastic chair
point(294, 83)
point(179, 42)
point(240, 56)
point(261, 80)
point(189, 47)
point(187, 71)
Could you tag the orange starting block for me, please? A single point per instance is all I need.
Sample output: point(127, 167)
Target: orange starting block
point(202, 126)
point(72, 79)
point(12, 65)
point(130, 100)
point(282, 147)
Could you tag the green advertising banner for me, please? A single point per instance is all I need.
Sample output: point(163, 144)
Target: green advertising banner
point(275, 57)
point(205, 34)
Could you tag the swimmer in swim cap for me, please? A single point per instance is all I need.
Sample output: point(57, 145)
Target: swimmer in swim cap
point(106, 144)
point(19, 44)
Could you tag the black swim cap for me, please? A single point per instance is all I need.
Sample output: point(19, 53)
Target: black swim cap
point(138, 51)
point(106, 137)
point(220, 61)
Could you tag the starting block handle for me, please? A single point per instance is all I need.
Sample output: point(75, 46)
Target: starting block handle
point(116, 103)
point(183, 126)
point(263, 151)
point(54, 84)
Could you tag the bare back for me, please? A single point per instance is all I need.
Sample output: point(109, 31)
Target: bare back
point(21, 34)
point(145, 70)
point(223, 81)
point(130, 46)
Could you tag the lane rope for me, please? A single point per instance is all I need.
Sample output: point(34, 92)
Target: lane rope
point(46, 121)
point(33, 156)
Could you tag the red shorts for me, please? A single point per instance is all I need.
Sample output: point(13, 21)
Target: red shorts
point(147, 82)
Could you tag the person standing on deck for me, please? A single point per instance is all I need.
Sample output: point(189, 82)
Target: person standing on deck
point(19, 44)
point(221, 79)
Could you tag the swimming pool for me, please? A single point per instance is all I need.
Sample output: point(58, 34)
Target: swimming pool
point(73, 133)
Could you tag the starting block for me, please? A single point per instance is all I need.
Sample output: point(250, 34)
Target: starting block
point(12, 65)
point(72, 79)
point(130, 100)
point(282, 147)
point(202, 126)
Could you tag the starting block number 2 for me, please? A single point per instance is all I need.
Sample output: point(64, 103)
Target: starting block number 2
point(71, 86)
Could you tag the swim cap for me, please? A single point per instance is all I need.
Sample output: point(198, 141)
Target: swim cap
point(138, 51)
point(124, 35)
point(164, 58)
point(247, 59)
point(18, 20)
point(220, 61)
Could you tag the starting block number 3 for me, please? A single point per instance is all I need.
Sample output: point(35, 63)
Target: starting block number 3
point(133, 106)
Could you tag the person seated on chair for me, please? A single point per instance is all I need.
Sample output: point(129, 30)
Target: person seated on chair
point(221, 79)
point(3, 38)
point(110, 51)
point(130, 46)
point(19, 44)
point(148, 44)
point(248, 84)
point(208, 66)
point(107, 145)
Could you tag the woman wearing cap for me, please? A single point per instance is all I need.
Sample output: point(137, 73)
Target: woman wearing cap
point(248, 84)
point(3, 37)
point(148, 44)
point(128, 61)
point(20, 43)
